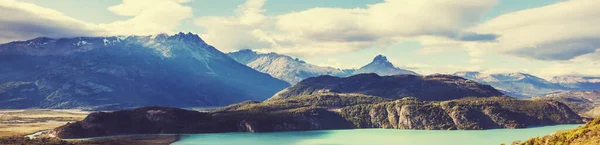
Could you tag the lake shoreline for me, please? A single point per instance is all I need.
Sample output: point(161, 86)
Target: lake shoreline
point(165, 139)
point(387, 129)
point(376, 136)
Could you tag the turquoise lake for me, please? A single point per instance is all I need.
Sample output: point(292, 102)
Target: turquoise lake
point(373, 137)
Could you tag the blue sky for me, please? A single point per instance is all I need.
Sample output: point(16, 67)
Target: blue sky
point(542, 37)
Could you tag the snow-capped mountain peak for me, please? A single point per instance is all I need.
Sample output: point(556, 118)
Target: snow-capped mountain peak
point(169, 70)
point(287, 68)
point(382, 66)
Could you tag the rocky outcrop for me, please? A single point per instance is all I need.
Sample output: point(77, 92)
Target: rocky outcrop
point(327, 111)
point(178, 70)
point(428, 88)
point(585, 103)
point(468, 114)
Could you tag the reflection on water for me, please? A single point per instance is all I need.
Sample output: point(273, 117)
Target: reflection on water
point(373, 137)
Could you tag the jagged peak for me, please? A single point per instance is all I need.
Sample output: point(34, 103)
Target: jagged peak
point(270, 54)
point(468, 72)
point(41, 39)
point(191, 37)
point(380, 58)
point(246, 51)
point(515, 74)
point(161, 36)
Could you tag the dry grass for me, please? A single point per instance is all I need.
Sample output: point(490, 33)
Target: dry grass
point(22, 122)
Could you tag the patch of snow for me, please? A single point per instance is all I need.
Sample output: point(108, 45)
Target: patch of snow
point(82, 42)
point(119, 38)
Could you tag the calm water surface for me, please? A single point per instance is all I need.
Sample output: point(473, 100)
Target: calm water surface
point(373, 137)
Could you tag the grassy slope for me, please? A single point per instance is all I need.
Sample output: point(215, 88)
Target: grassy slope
point(584, 135)
point(21, 122)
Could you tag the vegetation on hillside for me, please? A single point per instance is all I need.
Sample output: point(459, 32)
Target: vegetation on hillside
point(584, 135)
point(586, 103)
point(320, 100)
point(467, 113)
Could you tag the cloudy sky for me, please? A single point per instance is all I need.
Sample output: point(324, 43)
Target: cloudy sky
point(542, 37)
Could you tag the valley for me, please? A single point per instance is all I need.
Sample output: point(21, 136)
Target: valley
point(25, 122)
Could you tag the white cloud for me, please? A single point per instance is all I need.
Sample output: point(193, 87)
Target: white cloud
point(332, 62)
point(148, 16)
point(560, 31)
point(319, 31)
point(23, 21)
point(476, 61)
point(138, 7)
point(244, 30)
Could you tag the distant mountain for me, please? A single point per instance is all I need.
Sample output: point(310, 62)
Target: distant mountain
point(578, 82)
point(519, 85)
point(117, 72)
point(585, 103)
point(291, 70)
point(294, 70)
point(428, 88)
point(381, 66)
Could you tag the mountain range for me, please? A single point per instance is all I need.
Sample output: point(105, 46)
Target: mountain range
point(182, 70)
point(294, 70)
point(524, 85)
point(178, 70)
point(520, 85)
point(291, 70)
point(578, 82)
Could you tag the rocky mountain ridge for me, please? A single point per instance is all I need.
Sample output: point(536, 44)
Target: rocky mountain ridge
point(178, 70)
point(291, 70)
point(294, 70)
